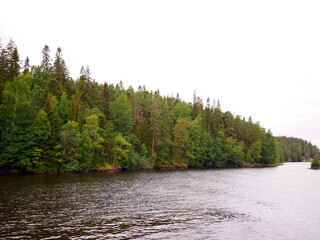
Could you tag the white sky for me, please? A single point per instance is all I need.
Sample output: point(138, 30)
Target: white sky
point(260, 58)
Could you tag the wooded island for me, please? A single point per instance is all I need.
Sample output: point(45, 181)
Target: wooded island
point(53, 123)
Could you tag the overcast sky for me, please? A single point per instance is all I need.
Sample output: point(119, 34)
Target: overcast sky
point(260, 58)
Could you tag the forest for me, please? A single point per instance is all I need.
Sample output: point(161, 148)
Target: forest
point(296, 149)
point(53, 123)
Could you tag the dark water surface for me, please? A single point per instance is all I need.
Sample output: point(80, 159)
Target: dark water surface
point(255, 203)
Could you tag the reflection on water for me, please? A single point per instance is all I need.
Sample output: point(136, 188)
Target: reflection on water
point(261, 203)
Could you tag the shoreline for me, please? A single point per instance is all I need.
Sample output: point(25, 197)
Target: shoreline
point(117, 170)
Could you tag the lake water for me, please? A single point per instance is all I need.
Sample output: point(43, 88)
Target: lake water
point(251, 203)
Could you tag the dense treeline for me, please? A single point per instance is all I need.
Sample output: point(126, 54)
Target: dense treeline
point(51, 122)
point(296, 149)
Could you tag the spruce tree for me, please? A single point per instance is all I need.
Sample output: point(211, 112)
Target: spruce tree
point(46, 60)
point(26, 66)
point(60, 75)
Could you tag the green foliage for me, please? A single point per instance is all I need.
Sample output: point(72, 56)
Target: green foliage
point(63, 107)
point(98, 113)
point(50, 122)
point(161, 128)
point(269, 149)
point(217, 120)
point(38, 144)
point(180, 133)
point(46, 60)
point(297, 150)
point(315, 164)
point(233, 152)
point(254, 153)
point(86, 151)
point(195, 149)
point(121, 114)
point(75, 108)
point(9, 64)
point(120, 152)
point(228, 121)
point(40, 77)
point(53, 153)
point(91, 146)
point(70, 146)
point(59, 81)
point(182, 110)
point(16, 119)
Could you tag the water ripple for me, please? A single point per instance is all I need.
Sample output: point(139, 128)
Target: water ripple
point(207, 204)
